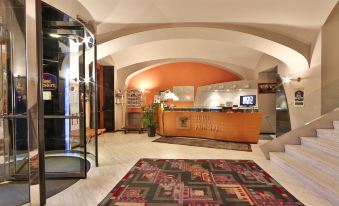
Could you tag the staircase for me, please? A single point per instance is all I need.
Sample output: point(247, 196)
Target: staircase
point(315, 161)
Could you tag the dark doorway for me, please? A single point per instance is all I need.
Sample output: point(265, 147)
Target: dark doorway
point(107, 109)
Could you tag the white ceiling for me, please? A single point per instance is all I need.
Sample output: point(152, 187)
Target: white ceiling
point(291, 25)
point(305, 14)
point(300, 13)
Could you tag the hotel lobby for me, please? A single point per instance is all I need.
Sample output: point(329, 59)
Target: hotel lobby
point(169, 103)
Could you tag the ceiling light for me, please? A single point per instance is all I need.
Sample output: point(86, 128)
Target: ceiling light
point(54, 35)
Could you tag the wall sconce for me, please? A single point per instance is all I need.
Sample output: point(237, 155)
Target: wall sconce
point(142, 89)
point(287, 80)
point(247, 86)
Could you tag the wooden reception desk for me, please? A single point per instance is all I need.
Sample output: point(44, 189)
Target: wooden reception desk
point(236, 127)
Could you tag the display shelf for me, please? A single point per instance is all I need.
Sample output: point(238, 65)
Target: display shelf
point(133, 98)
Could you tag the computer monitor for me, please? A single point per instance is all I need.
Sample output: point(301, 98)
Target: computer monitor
point(248, 100)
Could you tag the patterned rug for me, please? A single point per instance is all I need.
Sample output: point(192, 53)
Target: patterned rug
point(164, 182)
point(198, 142)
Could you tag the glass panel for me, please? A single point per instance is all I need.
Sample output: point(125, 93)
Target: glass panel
point(63, 95)
point(90, 79)
point(283, 116)
point(13, 104)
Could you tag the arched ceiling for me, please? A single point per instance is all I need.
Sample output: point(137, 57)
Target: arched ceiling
point(230, 32)
point(113, 15)
point(227, 46)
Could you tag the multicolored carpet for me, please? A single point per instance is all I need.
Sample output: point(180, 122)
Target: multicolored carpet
point(198, 142)
point(165, 182)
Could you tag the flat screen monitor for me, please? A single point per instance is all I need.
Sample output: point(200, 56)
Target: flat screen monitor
point(248, 100)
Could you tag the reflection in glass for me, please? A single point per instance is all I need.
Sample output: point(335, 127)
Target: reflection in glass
point(66, 93)
point(283, 115)
point(13, 104)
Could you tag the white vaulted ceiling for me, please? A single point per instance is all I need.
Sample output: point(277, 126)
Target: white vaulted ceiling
point(227, 32)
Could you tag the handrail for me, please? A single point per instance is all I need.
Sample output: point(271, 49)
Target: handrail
point(63, 116)
point(23, 116)
point(13, 116)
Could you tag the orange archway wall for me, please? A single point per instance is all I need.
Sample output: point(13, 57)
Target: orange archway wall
point(164, 77)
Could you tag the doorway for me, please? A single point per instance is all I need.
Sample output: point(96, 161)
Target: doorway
point(69, 98)
point(14, 153)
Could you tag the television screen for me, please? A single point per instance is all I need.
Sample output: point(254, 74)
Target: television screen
point(248, 100)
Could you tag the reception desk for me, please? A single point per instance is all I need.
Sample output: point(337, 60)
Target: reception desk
point(237, 127)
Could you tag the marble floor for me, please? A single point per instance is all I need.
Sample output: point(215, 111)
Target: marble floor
point(118, 152)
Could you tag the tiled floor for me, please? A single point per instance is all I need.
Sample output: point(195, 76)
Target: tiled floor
point(118, 152)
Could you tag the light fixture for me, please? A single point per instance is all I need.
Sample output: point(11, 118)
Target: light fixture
point(170, 95)
point(54, 35)
point(142, 89)
point(287, 80)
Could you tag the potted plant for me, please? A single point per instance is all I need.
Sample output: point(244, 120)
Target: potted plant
point(149, 120)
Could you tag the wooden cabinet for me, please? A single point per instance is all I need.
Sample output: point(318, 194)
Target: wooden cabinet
point(133, 114)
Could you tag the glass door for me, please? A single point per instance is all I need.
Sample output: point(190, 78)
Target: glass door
point(14, 186)
point(68, 90)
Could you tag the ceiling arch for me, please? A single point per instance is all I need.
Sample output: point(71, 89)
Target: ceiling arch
point(293, 58)
point(134, 70)
point(188, 48)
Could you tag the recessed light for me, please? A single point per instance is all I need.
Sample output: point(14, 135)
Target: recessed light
point(54, 35)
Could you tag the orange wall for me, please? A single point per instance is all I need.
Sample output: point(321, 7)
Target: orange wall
point(166, 76)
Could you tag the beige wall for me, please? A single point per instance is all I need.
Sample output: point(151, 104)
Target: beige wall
point(311, 82)
point(330, 62)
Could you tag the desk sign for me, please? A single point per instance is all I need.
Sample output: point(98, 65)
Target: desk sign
point(49, 82)
point(299, 97)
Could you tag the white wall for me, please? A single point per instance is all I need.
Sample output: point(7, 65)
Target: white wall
point(330, 62)
point(311, 82)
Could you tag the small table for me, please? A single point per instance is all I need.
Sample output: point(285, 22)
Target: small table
point(128, 128)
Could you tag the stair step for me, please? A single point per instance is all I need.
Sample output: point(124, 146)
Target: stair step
point(336, 124)
point(324, 145)
point(330, 134)
point(315, 158)
point(317, 180)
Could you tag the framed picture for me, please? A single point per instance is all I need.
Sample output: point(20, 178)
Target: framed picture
point(184, 93)
point(266, 88)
